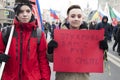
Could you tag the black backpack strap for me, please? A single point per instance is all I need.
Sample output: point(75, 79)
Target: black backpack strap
point(37, 33)
point(6, 32)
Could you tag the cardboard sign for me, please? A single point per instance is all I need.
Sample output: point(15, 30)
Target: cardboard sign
point(78, 51)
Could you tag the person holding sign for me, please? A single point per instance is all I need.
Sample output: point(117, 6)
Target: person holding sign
point(26, 59)
point(75, 19)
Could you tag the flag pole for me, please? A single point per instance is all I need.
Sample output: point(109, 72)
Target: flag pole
point(7, 50)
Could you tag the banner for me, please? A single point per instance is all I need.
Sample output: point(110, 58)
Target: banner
point(78, 51)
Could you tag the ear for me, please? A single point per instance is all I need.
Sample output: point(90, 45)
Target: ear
point(67, 18)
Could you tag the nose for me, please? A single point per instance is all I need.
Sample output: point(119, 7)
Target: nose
point(76, 18)
point(25, 14)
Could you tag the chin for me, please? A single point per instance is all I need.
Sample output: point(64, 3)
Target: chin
point(25, 21)
point(76, 26)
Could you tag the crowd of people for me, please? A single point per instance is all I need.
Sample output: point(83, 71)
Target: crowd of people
point(29, 60)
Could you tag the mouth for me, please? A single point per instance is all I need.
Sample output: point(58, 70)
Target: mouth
point(24, 18)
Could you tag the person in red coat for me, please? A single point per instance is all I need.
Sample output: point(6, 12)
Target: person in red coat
point(26, 59)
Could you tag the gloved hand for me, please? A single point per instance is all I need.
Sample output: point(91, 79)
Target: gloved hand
point(4, 57)
point(51, 46)
point(103, 45)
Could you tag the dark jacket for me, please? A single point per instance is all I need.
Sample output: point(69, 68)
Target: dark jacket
point(115, 29)
point(106, 26)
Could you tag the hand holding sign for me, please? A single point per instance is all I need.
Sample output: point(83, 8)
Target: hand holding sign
point(51, 45)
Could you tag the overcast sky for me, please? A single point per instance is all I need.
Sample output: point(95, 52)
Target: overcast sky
point(62, 5)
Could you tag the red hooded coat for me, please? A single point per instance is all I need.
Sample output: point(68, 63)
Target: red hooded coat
point(27, 60)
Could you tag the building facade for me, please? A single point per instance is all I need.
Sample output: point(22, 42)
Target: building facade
point(6, 3)
point(6, 12)
point(2, 3)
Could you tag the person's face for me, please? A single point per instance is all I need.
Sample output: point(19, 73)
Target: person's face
point(25, 14)
point(105, 20)
point(93, 23)
point(75, 18)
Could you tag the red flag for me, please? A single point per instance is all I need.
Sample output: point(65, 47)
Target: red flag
point(53, 14)
point(35, 11)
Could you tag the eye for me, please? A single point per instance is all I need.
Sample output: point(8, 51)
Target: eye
point(72, 15)
point(28, 11)
point(79, 16)
point(21, 11)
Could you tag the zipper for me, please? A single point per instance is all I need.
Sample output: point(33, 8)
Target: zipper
point(20, 64)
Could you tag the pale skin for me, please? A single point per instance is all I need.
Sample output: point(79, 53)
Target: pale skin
point(25, 14)
point(75, 18)
point(105, 20)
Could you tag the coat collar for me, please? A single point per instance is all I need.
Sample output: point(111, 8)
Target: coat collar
point(25, 26)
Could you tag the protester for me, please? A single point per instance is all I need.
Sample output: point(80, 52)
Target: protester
point(74, 17)
point(26, 59)
point(115, 29)
point(47, 27)
point(53, 26)
point(106, 26)
point(92, 25)
point(117, 41)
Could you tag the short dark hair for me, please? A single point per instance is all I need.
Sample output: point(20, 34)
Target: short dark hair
point(73, 7)
point(18, 5)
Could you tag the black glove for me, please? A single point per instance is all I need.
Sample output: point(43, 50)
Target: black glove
point(103, 45)
point(4, 57)
point(51, 46)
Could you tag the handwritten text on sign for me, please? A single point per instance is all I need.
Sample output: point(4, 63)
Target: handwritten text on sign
point(78, 51)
